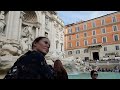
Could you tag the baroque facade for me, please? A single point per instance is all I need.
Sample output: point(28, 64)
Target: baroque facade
point(94, 39)
point(19, 28)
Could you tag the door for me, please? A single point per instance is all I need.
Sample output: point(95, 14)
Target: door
point(95, 56)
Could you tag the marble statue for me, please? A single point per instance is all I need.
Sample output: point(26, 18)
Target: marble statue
point(2, 21)
point(26, 38)
point(24, 45)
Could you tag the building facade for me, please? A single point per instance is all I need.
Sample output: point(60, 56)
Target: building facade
point(94, 39)
point(19, 28)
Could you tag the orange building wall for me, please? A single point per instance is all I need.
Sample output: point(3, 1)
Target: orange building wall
point(109, 32)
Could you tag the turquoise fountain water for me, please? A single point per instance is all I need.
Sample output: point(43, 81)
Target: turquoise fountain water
point(101, 75)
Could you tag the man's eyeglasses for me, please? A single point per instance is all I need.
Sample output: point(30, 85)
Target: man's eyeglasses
point(95, 74)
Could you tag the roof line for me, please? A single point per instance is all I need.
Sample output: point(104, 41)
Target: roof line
point(91, 19)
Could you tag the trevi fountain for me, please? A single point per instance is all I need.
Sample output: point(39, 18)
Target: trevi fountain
point(19, 28)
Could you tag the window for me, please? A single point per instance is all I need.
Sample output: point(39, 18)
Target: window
point(69, 30)
point(57, 42)
point(85, 34)
point(61, 46)
point(115, 28)
point(86, 51)
point(46, 22)
point(117, 47)
point(46, 34)
point(70, 37)
point(77, 51)
point(69, 52)
point(114, 19)
point(93, 32)
point(103, 30)
point(86, 58)
point(104, 39)
point(85, 27)
point(93, 24)
point(103, 21)
point(70, 45)
point(57, 35)
point(105, 48)
point(61, 37)
point(85, 42)
point(77, 35)
point(94, 40)
point(77, 43)
point(116, 37)
point(77, 29)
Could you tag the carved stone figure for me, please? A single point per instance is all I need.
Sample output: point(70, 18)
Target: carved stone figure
point(2, 21)
point(26, 39)
point(30, 36)
point(1, 43)
point(9, 49)
point(25, 32)
point(24, 45)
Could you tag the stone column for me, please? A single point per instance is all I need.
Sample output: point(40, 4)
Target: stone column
point(63, 40)
point(36, 32)
point(53, 35)
point(38, 29)
point(39, 23)
point(15, 25)
point(9, 25)
point(66, 41)
point(39, 32)
point(20, 25)
point(50, 35)
point(43, 23)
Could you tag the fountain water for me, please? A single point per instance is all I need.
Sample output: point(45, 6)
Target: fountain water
point(76, 65)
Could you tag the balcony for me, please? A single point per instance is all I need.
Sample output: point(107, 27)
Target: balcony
point(94, 46)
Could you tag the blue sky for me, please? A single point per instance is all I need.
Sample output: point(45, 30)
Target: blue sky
point(69, 17)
